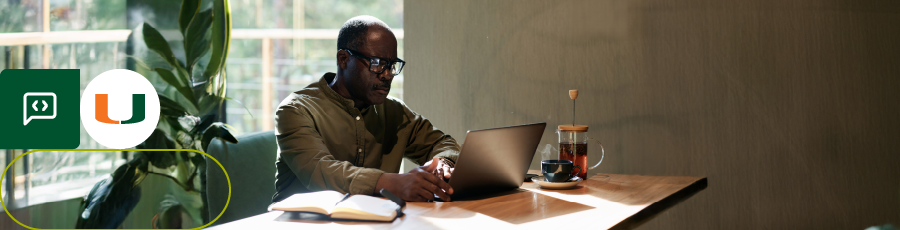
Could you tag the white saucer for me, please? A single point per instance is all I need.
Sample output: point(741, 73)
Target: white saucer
point(540, 180)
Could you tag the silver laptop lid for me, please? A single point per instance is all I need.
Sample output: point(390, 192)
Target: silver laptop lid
point(495, 159)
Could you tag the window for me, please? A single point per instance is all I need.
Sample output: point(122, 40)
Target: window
point(282, 46)
point(54, 175)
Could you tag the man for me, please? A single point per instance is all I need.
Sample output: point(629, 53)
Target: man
point(345, 133)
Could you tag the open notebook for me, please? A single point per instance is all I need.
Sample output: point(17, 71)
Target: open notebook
point(336, 205)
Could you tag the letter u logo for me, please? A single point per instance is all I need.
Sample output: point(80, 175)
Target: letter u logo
point(101, 109)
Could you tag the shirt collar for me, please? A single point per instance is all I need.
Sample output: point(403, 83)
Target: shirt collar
point(346, 104)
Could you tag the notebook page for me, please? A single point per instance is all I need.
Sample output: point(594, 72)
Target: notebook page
point(318, 202)
point(366, 208)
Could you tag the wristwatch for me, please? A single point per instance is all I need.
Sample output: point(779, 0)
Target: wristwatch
point(448, 162)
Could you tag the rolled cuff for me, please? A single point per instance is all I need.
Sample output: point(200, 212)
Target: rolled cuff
point(364, 181)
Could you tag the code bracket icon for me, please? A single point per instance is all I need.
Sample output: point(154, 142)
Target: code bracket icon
point(25, 118)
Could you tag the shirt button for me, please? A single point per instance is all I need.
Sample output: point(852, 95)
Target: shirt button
point(357, 118)
point(360, 150)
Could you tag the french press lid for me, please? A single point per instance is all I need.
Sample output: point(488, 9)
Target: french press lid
point(573, 128)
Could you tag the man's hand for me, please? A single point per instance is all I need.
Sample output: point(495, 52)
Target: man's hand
point(420, 184)
point(439, 169)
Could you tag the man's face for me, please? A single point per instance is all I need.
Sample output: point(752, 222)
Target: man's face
point(364, 85)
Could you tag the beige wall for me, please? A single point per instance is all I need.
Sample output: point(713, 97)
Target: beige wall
point(789, 107)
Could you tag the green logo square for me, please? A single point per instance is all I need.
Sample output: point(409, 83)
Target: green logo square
point(41, 108)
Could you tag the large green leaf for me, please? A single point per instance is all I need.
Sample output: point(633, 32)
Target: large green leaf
point(199, 160)
point(215, 94)
point(140, 63)
point(156, 42)
point(185, 78)
point(210, 104)
point(170, 78)
point(159, 140)
point(216, 84)
point(170, 108)
point(204, 123)
point(217, 130)
point(175, 126)
point(196, 37)
point(189, 8)
point(220, 85)
point(110, 200)
point(221, 37)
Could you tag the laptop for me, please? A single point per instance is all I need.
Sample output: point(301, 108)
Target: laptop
point(495, 160)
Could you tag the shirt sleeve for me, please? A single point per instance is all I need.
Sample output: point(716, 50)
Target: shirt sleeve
point(307, 156)
point(427, 142)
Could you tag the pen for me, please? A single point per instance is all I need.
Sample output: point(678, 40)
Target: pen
point(343, 199)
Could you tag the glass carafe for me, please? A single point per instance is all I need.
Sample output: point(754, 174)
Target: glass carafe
point(573, 146)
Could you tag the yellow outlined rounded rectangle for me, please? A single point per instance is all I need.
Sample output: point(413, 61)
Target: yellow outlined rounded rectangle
point(111, 150)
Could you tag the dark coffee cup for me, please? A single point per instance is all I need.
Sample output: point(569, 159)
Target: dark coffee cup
point(558, 170)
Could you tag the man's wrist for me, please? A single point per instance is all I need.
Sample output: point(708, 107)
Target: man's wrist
point(452, 155)
point(384, 181)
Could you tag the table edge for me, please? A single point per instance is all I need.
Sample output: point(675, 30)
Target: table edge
point(656, 208)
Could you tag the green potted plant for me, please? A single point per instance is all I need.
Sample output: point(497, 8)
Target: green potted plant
point(189, 120)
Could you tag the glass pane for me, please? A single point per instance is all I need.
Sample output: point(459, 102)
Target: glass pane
point(4, 163)
point(26, 16)
point(20, 16)
point(87, 15)
point(18, 178)
point(61, 175)
point(333, 14)
point(244, 84)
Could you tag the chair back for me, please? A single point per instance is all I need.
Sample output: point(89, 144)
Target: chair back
point(251, 167)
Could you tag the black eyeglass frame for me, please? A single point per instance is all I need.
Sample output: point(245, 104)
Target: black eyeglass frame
point(390, 63)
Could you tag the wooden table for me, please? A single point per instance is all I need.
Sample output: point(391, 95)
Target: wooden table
point(603, 201)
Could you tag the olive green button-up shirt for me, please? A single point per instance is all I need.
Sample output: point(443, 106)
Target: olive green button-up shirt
point(325, 143)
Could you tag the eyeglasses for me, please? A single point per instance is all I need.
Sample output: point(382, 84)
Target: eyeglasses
point(377, 65)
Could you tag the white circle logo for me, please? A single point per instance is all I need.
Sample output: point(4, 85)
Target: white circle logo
point(119, 108)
